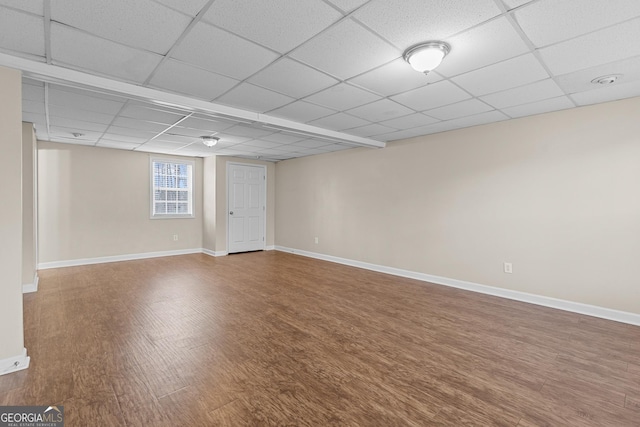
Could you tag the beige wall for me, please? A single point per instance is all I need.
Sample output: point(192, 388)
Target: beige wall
point(557, 195)
point(28, 204)
point(11, 326)
point(95, 202)
point(209, 203)
point(221, 200)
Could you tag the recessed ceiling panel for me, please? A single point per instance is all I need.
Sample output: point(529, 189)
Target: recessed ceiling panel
point(394, 77)
point(432, 96)
point(158, 115)
point(469, 107)
point(608, 45)
point(410, 121)
point(79, 50)
point(35, 6)
point(407, 22)
point(339, 121)
point(187, 79)
point(21, 32)
point(342, 97)
point(62, 96)
point(383, 109)
point(533, 92)
point(348, 5)
point(484, 45)
point(626, 70)
point(254, 98)
point(371, 130)
point(221, 52)
point(292, 78)
point(346, 50)
point(545, 106)
point(189, 7)
point(278, 24)
point(608, 93)
point(545, 22)
point(302, 112)
point(504, 75)
point(130, 22)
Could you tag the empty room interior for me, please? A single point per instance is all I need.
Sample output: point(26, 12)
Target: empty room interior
point(321, 212)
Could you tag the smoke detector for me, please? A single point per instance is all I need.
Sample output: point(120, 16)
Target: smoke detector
point(606, 80)
point(209, 141)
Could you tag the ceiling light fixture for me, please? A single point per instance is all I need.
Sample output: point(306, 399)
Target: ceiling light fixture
point(209, 141)
point(425, 57)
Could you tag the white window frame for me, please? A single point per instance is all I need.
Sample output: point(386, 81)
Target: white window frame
point(191, 185)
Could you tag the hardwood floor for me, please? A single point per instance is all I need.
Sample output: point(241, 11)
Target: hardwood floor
point(270, 338)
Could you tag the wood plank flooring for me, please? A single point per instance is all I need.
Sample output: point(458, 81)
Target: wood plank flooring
point(270, 338)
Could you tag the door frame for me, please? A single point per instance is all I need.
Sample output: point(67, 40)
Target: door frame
point(264, 192)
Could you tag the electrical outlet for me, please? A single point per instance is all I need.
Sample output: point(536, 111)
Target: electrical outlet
point(316, 240)
point(175, 237)
point(508, 267)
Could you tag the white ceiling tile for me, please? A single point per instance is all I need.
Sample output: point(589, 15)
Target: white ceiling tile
point(370, 130)
point(130, 22)
point(608, 45)
point(282, 138)
point(33, 6)
point(348, 5)
point(345, 50)
point(383, 109)
point(339, 121)
point(158, 115)
point(342, 97)
point(190, 7)
point(191, 133)
point(407, 22)
point(21, 32)
point(62, 139)
point(477, 119)
point(32, 93)
point(105, 143)
point(248, 131)
point(432, 96)
point(537, 91)
point(68, 133)
point(138, 133)
point(461, 109)
point(124, 138)
point(309, 143)
point(64, 97)
point(226, 139)
point(229, 55)
point(168, 145)
point(292, 78)
point(129, 123)
point(262, 144)
point(394, 77)
point(34, 118)
point(301, 111)
point(410, 121)
point(512, 4)
point(628, 71)
point(178, 139)
point(551, 21)
point(607, 93)
point(539, 107)
point(204, 124)
point(33, 107)
point(484, 45)
point(186, 79)
point(78, 113)
point(504, 75)
point(254, 98)
point(80, 125)
point(79, 49)
point(278, 24)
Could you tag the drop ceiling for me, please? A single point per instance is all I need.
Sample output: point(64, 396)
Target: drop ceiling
point(281, 79)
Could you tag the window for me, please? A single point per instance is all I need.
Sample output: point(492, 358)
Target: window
point(171, 188)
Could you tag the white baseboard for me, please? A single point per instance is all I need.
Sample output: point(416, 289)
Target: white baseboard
point(575, 307)
point(117, 258)
point(270, 248)
point(31, 287)
point(16, 363)
point(214, 253)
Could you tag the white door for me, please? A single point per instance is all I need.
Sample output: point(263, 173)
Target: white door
point(247, 210)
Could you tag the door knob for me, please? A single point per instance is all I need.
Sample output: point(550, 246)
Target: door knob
point(231, 213)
